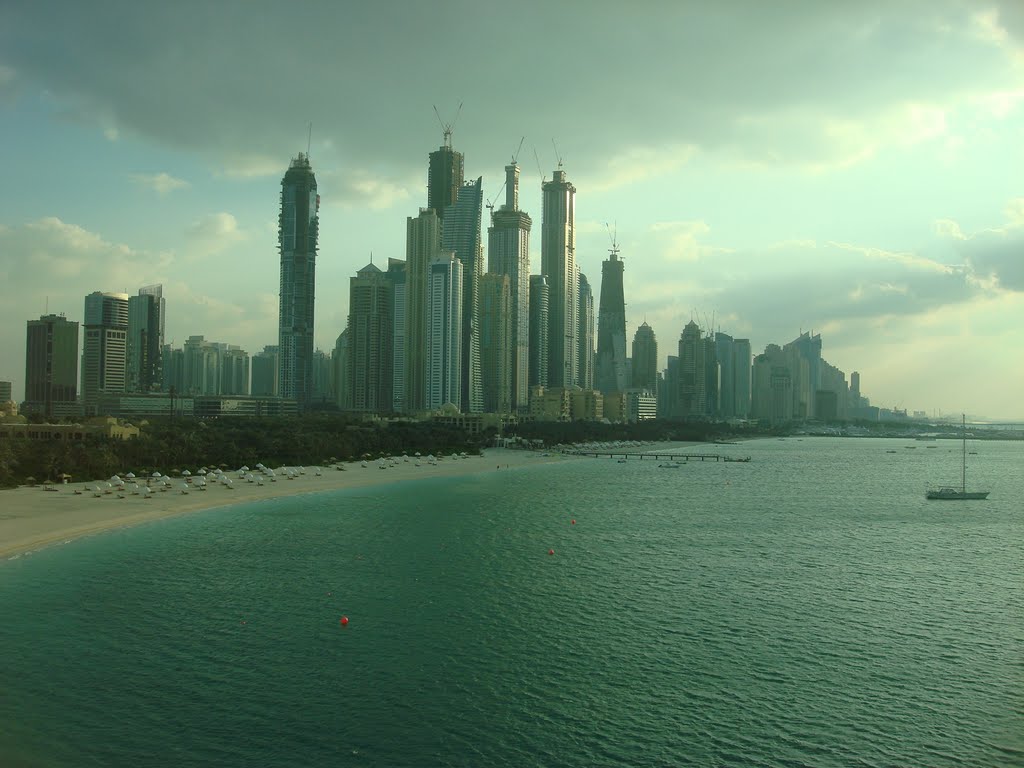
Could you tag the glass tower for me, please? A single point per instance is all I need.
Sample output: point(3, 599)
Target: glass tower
point(297, 238)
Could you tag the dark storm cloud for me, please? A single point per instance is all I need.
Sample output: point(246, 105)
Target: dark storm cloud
point(240, 80)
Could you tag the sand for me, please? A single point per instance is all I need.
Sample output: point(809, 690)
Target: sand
point(32, 518)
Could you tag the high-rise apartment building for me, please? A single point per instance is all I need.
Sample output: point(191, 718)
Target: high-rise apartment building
point(233, 365)
point(104, 349)
point(508, 253)
point(611, 327)
point(51, 367)
point(396, 275)
point(460, 234)
point(297, 239)
point(444, 332)
point(422, 245)
point(804, 360)
point(540, 298)
point(146, 319)
point(370, 340)
point(496, 342)
point(585, 326)
point(264, 372)
point(558, 265)
point(692, 374)
point(645, 357)
point(341, 371)
point(741, 377)
point(6, 391)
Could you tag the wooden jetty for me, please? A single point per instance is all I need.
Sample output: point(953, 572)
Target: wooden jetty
point(661, 456)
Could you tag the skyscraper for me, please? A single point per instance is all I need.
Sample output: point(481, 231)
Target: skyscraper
point(460, 233)
point(146, 319)
point(444, 176)
point(645, 357)
point(423, 243)
point(370, 339)
point(297, 238)
point(51, 366)
point(496, 342)
point(508, 253)
point(741, 376)
point(585, 348)
point(692, 375)
point(104, 350)
point(558, 265)
point(444, 331)
point(540, 296)
point(264, 372)
point(611, 327)
point(396, 276)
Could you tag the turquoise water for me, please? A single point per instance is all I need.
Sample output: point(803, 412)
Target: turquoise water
point(809, 608)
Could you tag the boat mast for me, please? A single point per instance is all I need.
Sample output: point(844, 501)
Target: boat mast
point(963, 465)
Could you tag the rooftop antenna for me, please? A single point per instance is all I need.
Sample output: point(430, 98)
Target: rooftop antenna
point(447, 128)
point(557, 155)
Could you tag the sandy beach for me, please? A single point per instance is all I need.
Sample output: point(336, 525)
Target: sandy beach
point(32, 518)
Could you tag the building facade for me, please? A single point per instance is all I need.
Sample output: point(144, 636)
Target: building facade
point(423, 244)
point(611, 327)
point(145, 343)
point(508, 253)
point(370, 339)
point(539, 308)
point(585, 348)
point(264, 372)
point(460, 234)
point(51, 367)
point(645, 359)
point(298, 229)
point(104, 348)
point(496, 350)
point(558, 265)
point(444, 332)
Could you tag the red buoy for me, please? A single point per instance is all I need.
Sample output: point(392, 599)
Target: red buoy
point(343, 621)
point(574, 521)
point(551, 551)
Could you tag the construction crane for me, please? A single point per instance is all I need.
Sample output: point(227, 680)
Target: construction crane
point(613, 234)
point(557, 153)
point(539, 171)
point(490, 203)
point(447, 128)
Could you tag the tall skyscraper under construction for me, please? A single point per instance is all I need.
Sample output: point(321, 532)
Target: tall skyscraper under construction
point(611, 327)
point(558, 265)
point(297, 238)
point(508, 253)
point(460, 234)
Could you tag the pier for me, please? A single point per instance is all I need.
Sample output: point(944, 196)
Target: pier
point(661, 456)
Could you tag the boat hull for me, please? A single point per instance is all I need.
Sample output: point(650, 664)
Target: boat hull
point(953, 494)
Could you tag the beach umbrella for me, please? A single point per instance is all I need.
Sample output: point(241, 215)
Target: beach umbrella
point(115, 479)
point(245, 468)
point(130, 475)
point(186, 473)
point(155, 474)
point(202, 471)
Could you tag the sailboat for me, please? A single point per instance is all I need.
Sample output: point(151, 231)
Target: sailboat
point(948, 493)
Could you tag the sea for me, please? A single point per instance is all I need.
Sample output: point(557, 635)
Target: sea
point(806, 608)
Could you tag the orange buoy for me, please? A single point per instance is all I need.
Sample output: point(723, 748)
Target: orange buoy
point(551, 551)
point(574, 521)
point(343, 621)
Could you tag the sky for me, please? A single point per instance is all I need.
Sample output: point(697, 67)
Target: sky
point(767, 169)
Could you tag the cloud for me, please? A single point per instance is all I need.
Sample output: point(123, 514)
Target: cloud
point(212, 234)
point(361, 188)
point(161, 183)
point(743, 78)
point(997, 254)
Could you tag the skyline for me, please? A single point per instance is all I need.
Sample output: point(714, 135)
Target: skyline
point(850, 173)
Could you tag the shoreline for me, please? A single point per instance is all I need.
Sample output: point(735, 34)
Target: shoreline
point(34, 518)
